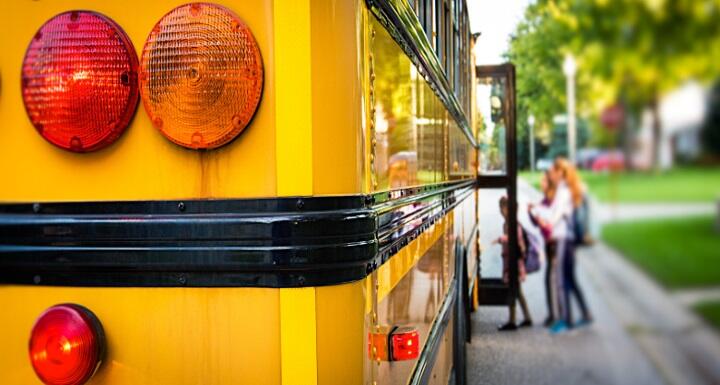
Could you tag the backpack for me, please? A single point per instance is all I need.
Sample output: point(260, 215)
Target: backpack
point(579, 223)
point(533, 248)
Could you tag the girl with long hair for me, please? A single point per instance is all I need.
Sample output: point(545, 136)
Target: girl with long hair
point(566, 175)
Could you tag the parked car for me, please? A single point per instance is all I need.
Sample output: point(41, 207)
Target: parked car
point(586, 157)
point(543, 164)
point(609, 161)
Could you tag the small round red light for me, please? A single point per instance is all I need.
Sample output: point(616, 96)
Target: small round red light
point(79, 81)
point(201, 75)
point(66, 345)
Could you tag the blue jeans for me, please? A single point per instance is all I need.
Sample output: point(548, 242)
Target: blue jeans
point(567, 283)
point(550, 285)
point(558, 276)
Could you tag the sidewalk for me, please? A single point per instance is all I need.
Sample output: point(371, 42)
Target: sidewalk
point(616, 212)
point(642, 335)
point(682, 347)
point(604, 353)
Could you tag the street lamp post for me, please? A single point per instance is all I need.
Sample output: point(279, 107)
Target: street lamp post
point(531, 127)
point(570, 68)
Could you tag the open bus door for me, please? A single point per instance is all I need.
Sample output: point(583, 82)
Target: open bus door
point(498, 171)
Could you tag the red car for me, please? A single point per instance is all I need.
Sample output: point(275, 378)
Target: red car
point(609, 161)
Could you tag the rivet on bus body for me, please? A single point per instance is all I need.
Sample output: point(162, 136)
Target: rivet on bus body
point(369, 200)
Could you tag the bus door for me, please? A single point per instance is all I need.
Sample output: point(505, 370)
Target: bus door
point(497, 178)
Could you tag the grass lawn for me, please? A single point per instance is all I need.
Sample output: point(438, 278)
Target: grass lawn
point(679, 253)
point(676, 185)
point(531, 177)
point(711, 312)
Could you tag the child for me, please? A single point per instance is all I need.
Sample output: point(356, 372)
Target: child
point(503, 240)
point(570, 285)
point(545, 228)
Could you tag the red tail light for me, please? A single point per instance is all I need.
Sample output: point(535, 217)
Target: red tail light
point(405, 344)
point(394, 344)
point(66, 345)
point(79, 81)
point(201, 75)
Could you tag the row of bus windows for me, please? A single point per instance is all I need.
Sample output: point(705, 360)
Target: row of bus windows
point(416, 141)
point(447, 27)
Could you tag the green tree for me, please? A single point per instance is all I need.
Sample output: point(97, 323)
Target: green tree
point(631, 51)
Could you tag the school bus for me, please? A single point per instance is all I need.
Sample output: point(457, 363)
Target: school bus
point(255, 191)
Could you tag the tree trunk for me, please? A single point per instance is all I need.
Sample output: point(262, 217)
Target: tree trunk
point(656, 132)
point(627, 136)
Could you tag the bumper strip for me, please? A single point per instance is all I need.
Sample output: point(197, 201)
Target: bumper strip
point(275, 242)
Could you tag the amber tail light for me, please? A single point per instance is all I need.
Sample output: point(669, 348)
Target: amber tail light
point(201, 75)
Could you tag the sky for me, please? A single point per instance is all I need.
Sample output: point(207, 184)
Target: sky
point(496, 20)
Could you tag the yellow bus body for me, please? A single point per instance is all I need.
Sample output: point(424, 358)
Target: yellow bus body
point(303, 139)
point(311, 136)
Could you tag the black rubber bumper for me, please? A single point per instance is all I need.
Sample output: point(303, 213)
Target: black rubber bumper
point(278, 242)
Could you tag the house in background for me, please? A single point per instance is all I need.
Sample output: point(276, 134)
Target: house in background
point(682, 113)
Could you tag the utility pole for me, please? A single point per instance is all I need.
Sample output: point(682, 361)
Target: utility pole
point(531, 126)
point(570, 68)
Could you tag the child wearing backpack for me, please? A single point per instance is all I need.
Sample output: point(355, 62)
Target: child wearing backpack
point(503, 241)
point(537, 218)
